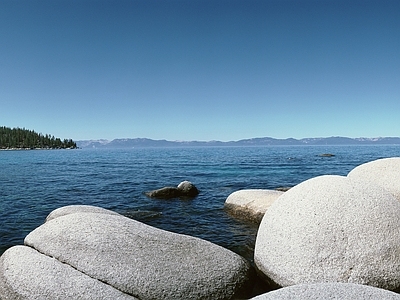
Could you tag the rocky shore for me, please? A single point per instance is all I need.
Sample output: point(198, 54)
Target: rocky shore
point(109, 256)
point(328, 237)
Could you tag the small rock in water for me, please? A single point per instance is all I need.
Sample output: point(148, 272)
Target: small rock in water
point(184, 189)
point(164, 193)
point(326, 155)
point(141, 214)
point(188, 189)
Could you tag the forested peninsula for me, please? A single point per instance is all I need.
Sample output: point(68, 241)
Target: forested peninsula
point(21, 138)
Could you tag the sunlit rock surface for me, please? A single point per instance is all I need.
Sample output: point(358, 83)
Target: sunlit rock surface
point(27, 274)
point(251, 204)
point(140, 260)
point(384, 172)
point(331, 229)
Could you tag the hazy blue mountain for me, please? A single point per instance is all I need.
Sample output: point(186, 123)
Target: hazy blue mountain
point(92, 143)
point(265, 141)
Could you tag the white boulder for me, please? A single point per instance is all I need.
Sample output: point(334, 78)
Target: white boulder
point(140, 260)
point(27, 274)
point(251, 204)
point(384, 172)
point(331, 229)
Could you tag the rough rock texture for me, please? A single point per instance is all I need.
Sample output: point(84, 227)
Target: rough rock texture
point(185, 189)
point(384, 172)
point(27, 274)
point(331, 229)
point(323, 291)
point(251, 204)
point(140, 260)
point(71, 209)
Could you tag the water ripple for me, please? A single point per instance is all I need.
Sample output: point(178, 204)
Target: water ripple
point(33, 183)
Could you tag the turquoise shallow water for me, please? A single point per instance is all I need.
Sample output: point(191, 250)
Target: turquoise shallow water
point(33, 183)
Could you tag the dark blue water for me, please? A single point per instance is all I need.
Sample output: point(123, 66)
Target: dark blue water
point(33, 183)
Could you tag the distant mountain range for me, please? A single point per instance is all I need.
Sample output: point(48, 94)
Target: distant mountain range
point(265, 141)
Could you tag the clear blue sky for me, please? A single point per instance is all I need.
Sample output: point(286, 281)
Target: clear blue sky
point(200, 69)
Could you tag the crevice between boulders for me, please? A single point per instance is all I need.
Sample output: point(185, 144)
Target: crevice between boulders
point(65, 263)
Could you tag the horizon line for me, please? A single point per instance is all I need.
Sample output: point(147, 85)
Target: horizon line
point(263, 137)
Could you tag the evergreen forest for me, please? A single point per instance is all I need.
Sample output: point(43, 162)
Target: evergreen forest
point(21, 138)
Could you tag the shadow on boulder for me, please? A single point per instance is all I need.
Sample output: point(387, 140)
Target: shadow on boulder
point(185, 189)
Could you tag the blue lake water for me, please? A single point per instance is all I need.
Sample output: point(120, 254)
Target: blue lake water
point(33, 183)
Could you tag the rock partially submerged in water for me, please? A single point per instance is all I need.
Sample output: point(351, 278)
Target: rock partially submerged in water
point(188, 189)
point(185, 189)
point(136, 259)
point(331, 229)
point(324, 291)
point(141, 215)
point(283, 188)
point(167, 192)
point(326, 155)
point(251, 204)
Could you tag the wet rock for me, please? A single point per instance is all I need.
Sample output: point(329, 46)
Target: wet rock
point(331, 229)
point(164, 193)
point(141, 260)
point(188, 189)
point(283, 188)
point(184, 189)
point(326, 155)
point(141, 215)
point(250, 205)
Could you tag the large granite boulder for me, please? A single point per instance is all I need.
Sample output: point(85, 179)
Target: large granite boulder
point(322, 291)
point(27, 274)
point(251, 204)
point(384, 172)
point(185, 189)
point(140, 260)
point(331, 229)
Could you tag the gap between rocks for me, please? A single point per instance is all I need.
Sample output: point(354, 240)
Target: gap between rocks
point(64, 263)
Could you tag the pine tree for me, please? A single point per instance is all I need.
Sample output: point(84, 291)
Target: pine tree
point(21, 138)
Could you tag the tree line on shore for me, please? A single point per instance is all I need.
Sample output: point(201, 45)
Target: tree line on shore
point(21, 138)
